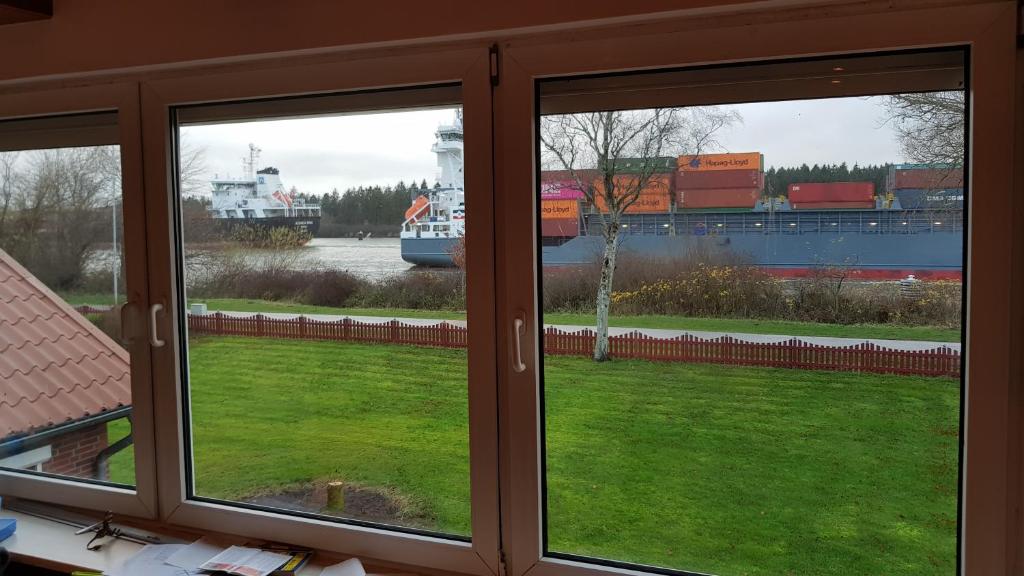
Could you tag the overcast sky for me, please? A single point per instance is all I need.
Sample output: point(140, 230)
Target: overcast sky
point(320, 154)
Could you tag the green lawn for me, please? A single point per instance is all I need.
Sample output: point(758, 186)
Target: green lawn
point(729, 470)
point(884, 331)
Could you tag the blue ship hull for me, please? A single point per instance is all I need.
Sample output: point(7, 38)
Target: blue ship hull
point(875, 243)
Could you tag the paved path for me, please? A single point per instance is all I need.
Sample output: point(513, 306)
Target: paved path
point(909, 345)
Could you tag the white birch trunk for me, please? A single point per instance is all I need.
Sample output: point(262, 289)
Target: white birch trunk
point(604, 289)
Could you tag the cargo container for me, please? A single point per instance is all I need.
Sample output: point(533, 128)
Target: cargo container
point(718, 198)
point(692, 179)
point(919, 176)
point(859, 205)
point(918, 198)
point(559, 209)
point(560, 227)
point(706, 162)
point(653, 198)
point(831, 192)
point(560, 190)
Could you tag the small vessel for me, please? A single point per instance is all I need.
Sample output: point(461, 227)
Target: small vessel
point(259, 199)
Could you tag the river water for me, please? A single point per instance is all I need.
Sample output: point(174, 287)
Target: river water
point(371, 258)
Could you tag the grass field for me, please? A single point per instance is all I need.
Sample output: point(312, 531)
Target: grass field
point(883, 331)
point(728, 470)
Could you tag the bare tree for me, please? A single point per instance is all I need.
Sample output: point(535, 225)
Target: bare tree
point(930, 126)
point(9, 183)
point(191, 167)
point(611, 157)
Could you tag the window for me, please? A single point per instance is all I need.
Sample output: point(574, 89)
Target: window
point(65, 378)
point(777, 398)
point(326, 344)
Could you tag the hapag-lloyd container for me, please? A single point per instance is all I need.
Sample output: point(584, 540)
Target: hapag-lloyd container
point(831, 192)
point(560, 190)
point(708, 162)
point(559, 209)
point(562, 227)
point(718, 197)
point(691, 179)
point(652, 198)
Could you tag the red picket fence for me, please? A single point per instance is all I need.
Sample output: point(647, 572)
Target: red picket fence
point(793, 353)
point(442, 335)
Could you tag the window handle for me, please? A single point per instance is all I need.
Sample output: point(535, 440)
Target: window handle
point(153, 339)
point(518, 326)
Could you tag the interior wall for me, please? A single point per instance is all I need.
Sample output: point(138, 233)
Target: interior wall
point(86, 35)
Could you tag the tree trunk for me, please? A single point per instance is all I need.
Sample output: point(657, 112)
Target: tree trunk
point(604, 289)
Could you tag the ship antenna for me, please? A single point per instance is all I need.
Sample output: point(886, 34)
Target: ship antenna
point(249, 164)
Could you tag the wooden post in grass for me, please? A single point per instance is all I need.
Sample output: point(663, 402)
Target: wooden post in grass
point(336, 496)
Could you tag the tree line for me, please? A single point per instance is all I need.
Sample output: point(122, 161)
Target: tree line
point(373, 210)
point(777, 180)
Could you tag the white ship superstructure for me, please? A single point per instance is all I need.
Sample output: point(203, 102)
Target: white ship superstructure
point(437, 218)
point(260, 198)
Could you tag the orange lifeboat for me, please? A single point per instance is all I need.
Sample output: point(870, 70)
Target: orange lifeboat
point(419, 206)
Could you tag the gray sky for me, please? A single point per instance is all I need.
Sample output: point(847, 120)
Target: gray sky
point(319, 154)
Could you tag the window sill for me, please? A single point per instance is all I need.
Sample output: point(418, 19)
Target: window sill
point(52, 545)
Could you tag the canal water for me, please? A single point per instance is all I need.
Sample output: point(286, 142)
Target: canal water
point(371, 258)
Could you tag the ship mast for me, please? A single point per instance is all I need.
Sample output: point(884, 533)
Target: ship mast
point(249, 164)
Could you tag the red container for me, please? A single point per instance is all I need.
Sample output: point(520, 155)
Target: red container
point(690, 179)
point(929, 178)
point(833, 205)
point(718, 198)
point(565, 227)
point(831, 192)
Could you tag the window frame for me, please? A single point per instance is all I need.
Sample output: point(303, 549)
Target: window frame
point(465, 65)
point(122, 98)
point(987, 29)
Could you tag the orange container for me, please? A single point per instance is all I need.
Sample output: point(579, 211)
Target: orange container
point(705, 162)
point(653, 198)
point(718, 198)
point(559, 209)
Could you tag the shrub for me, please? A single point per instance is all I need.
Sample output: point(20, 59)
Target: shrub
point(435, 290)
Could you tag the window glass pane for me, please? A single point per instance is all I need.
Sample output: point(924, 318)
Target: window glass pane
point(322, 263)
point(65, 386)
point(779, 390)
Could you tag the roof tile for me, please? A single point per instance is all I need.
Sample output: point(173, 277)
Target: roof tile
point(55, 365)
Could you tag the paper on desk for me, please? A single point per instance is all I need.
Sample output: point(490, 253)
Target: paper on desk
point(151, 562)
point(350, 567)
point(196, 554)
point(245, 561)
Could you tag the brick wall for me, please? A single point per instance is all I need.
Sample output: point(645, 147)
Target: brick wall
point(74, 453)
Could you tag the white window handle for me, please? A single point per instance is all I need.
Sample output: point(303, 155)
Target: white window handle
point(153, 340)
point(518, 326)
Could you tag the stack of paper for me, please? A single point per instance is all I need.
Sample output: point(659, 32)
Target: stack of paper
point(201, 557)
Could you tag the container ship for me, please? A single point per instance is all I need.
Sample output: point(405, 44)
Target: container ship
point(259, 199)
point(715, 206)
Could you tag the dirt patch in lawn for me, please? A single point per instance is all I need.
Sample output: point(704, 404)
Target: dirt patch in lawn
point(361, 503)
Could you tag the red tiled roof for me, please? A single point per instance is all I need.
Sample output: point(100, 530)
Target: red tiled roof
point(55, 365)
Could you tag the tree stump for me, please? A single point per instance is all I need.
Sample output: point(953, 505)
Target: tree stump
point(336, 496)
